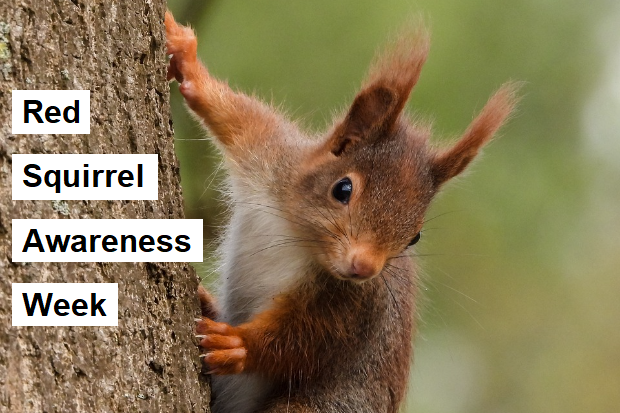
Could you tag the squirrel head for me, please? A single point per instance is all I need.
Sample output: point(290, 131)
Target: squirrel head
point(366, 187)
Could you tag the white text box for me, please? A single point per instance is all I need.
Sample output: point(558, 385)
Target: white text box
point(85, 177)
point(50, 111)
point(65, 304)
point(107, 240)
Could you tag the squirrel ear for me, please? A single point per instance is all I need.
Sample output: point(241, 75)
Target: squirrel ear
point(452, 161)
point(372, 112)
point(388, 85)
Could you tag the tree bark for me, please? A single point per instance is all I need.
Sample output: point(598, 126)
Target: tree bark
point(149, 363)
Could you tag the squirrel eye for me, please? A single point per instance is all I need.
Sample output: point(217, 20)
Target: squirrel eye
point(342, 190)
point(415, 239)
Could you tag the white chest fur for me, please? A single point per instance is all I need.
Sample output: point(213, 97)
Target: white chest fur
point(260, 258)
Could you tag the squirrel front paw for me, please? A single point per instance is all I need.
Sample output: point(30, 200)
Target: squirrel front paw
point(225, 349)
point(181, 45)
point(184, 66)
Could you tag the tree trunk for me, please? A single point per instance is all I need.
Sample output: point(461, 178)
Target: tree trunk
point(149, 363)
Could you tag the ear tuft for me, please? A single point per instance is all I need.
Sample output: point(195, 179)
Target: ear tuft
point(452, 161)
point(399, 66)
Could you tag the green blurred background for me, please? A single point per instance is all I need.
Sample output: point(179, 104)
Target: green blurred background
point(522, 274)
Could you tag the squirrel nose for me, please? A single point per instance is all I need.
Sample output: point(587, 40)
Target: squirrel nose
point(365, 263)
point(362, 269)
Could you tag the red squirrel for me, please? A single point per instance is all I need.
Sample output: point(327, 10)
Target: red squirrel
point(317, 305)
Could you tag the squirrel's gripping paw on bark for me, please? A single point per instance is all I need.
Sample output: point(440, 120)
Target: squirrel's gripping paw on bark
point(181, 46)
point(225, 348)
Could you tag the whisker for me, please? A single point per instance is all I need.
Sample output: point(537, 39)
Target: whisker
point(423, 230)
point(456, 291)
point(332, 221)
point(280, 244)
point(470, 314)
point(441, 215)
point(304, 224)
point(393, 297)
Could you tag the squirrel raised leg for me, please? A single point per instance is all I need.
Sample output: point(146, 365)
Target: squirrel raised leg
point(236, 120)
